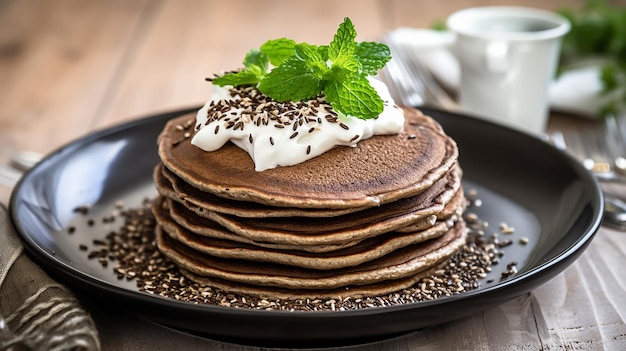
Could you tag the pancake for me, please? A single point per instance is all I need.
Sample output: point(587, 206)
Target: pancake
point(203, 227)
point(341, 237)
point(332, 230)
point(453, 210)
point(373, 173)
point(362, 252)
point(354, 292)
point(400, 264)
point(175, 188)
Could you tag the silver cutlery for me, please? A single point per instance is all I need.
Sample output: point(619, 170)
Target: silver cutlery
point(601, 149)
point(410, 82)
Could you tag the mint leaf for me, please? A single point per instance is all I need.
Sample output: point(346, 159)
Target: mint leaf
point(278, 50)
point(292, 80)
point(323, 50)
point(313, 59)
point(354, 96)
point(256, 65)
point(256, 58)
point(341, 49)
point(303, 71)
point(372, 56)
point(244, 77)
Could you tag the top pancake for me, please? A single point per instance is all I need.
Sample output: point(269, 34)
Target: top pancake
point(378, 170)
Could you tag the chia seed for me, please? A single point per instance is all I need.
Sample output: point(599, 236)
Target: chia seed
point(132, 253)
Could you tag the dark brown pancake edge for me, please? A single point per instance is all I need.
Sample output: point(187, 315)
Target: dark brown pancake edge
point(354, 292)
point(353, 255)
point(402, 263)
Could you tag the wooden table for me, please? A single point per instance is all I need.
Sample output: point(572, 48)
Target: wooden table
point(68, 68)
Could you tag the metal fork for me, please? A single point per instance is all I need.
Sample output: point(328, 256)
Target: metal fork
point(410, 82)
point(601, 148)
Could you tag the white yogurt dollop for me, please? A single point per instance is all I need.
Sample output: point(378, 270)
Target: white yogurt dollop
point(284, 134)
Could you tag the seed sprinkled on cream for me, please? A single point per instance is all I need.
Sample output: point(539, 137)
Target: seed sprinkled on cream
point(243, 115)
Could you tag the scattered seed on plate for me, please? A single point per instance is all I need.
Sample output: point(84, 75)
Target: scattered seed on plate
point(133, 255)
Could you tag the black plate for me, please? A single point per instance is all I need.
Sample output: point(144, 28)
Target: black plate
point(546, 195)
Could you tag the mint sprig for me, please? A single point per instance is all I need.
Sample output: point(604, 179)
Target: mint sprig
point(302, 71)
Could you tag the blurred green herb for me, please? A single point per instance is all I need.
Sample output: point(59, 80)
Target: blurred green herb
point(598, 35)
point(439, 24)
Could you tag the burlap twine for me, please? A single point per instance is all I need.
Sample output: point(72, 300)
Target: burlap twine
point(36, 312)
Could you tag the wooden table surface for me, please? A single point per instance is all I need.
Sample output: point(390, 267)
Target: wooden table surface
point(68, 68)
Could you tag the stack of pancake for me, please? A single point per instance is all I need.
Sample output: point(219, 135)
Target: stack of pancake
point(354, 221)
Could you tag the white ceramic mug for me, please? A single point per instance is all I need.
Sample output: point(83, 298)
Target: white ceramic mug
point(508, 57)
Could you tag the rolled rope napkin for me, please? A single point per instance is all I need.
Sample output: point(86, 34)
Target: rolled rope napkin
point(36, 312)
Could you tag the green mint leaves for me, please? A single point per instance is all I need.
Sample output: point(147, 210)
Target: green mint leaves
point(302, 71)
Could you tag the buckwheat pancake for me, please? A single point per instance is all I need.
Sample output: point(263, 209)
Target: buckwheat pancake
point(168, 184)
point(332, 230)
point(291, 236)
point(172, 187)
point(400, 264)
point(378, 170)
point(353, 255)
point(198, 225)
point(353, 291)
point(454, 209)
point(202, 227)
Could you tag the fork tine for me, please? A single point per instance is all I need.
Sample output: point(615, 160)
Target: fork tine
point(596, 142)
point(594, 145)
point(616, 126)
point(395, 73)
point(573, 142)
point(558, 140)
point(401, 90)
point(413, 83)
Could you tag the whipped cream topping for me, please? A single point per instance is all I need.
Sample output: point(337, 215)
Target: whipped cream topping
point(285, 133)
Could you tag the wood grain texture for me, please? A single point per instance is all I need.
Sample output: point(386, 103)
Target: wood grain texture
point(70, 67)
